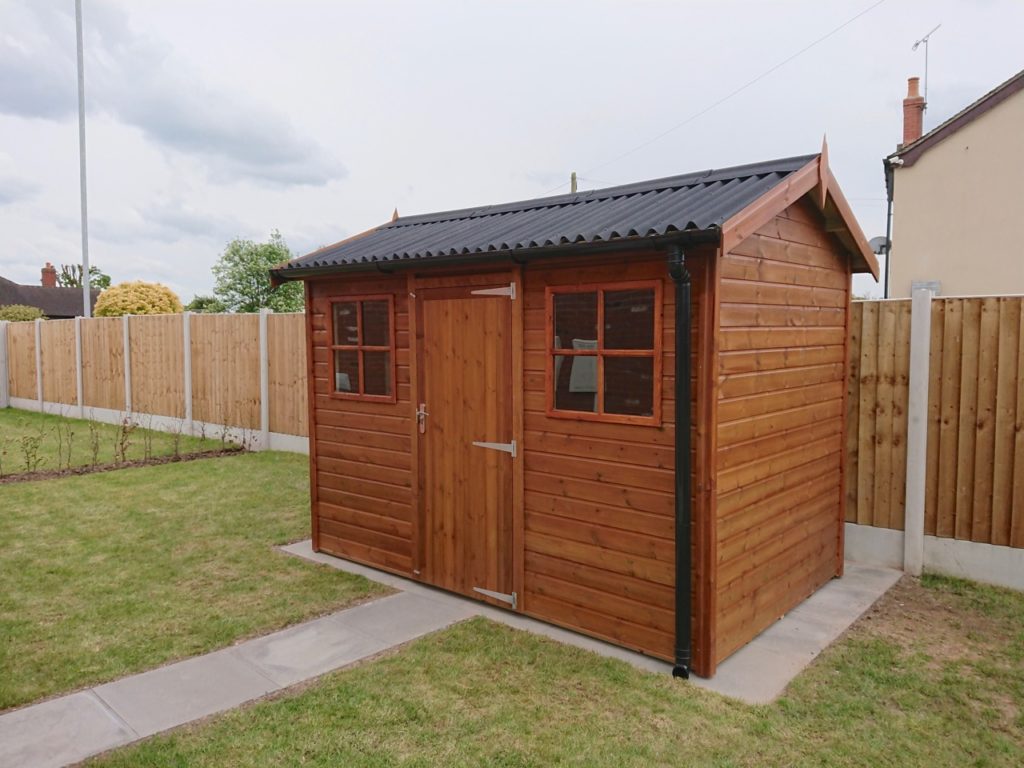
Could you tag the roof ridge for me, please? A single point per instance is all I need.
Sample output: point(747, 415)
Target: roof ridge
point(691, 178)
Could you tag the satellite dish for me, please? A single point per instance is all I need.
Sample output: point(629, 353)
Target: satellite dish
point(878, 244)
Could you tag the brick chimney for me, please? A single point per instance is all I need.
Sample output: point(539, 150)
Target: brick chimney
point(49, 276)
point(913, 112)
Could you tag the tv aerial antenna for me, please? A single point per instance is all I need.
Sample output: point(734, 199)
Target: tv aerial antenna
point(924, 41)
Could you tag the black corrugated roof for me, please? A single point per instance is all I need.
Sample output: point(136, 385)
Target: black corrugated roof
point(689, 202)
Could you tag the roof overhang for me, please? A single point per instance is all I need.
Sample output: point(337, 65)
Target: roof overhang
point(814, 180)
point(279, 275)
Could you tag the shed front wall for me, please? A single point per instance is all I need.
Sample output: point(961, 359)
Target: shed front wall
point(783, 303)
point(595, 531)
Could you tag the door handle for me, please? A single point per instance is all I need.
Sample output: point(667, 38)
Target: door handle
point(421, 417)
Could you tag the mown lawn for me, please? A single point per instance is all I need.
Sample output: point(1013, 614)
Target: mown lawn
point(42, 442)
point(107, 574)
point(933, 676)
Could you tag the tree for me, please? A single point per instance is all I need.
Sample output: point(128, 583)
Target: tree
point(137, 298)
point(243, 282)
point(18, 313)
point(70, 276)
point(206, 304)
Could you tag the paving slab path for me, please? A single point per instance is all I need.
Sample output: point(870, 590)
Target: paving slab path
point(70, 728)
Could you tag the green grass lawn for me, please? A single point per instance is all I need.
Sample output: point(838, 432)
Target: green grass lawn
point(40, 441)
point(934, 676)
point(106, 574)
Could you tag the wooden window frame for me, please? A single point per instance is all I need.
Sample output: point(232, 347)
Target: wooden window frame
point(360, 348)
point(654, 420)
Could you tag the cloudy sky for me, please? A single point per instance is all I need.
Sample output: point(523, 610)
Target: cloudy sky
point(214, 120)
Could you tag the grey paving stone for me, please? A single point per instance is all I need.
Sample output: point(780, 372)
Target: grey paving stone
point(402, 617)
point(59, 732)
point(188, 690)
point(308, 650)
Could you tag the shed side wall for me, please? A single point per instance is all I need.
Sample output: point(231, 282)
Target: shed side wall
point(598, 498)
point(362, 450)
point(784, 295)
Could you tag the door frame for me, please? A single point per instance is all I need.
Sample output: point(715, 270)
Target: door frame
point(463, 279)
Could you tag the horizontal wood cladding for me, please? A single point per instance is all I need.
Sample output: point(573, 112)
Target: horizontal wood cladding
point(781, 369)
point(599, 505)
point(362, 450)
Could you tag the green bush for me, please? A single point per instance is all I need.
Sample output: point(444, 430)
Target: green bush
point(137, 298)
point(20, 313)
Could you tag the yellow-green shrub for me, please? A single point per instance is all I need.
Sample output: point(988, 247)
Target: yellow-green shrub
point(20, 313)
point(137, 298)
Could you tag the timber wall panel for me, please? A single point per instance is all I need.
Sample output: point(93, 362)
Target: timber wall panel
point(21, 360)
point(362, 451)
point(286, 351)
point(598, 497)
point(225, 370)
point(781, 415)
point(103, 363)
point(58, 360)
point(974, 482)
point(156, 349)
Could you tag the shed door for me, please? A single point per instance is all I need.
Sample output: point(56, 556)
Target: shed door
point(466, 449)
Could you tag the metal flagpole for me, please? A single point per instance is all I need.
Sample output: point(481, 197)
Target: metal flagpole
point(87, 303)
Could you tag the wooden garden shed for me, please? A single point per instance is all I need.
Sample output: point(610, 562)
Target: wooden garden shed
point(493, 402)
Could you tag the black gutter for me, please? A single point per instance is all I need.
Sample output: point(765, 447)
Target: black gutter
point(684, 629)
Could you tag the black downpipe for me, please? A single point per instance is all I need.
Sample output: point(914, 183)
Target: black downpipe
point(888, 226)
point(681, 276)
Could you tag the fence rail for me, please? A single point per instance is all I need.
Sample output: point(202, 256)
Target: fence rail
point(206, 369)
point(974, 455)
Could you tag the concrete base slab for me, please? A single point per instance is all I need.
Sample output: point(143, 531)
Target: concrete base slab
point(760, 671)
point(179, 693)
point(60, 731)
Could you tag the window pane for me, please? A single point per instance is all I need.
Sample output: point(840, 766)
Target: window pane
point(575, 380)
point(375, 324)
point(346, 370)
point(629, 385)
point(376, 373)
point(345, 329)
point(629, 319)
point(575, 319)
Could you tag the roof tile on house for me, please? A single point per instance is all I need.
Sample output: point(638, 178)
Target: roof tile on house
point(53, 302)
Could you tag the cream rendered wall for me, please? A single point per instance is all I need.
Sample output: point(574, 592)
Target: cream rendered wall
point(958, 212)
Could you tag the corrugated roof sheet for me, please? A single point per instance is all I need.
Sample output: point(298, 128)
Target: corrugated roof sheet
point(693, 201)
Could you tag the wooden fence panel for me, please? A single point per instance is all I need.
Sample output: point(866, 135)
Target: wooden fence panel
point(878, 389)
point(21, 360)
point(974, 484)
point(156, 350)
point(226, 370)
point(103, 363)
point(60, 380)
point(286, 349)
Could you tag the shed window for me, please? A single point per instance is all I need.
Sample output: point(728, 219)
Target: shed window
point(363, 347)
point(604, 352)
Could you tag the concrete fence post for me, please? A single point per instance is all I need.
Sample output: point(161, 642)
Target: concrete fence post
point(917, 430)
point(126, 342)
point(79, 374)
point(5, 368)
point(39, 364)
point(264, 380)
point(187, 368)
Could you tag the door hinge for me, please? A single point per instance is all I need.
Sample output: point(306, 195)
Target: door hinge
point(509, 448)
point(506, 290)
point(511, 599)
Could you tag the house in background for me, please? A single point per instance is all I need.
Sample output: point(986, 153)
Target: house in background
point(493, 402)
point(54, 302)
point(956, 196)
